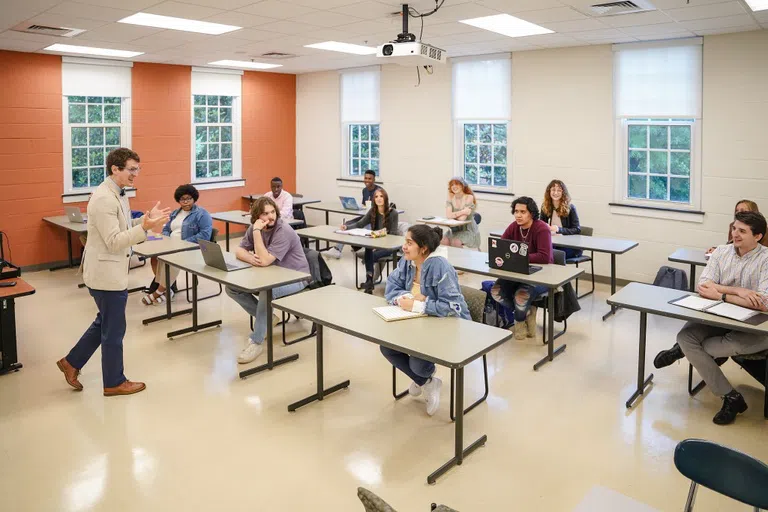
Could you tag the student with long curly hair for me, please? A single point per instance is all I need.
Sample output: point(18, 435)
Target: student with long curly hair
point(558, 211)
point(461, 205)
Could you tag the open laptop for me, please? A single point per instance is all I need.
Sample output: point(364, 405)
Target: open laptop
point(214, 257)
point(350, 203)
point(75, 215)
point(510, 256)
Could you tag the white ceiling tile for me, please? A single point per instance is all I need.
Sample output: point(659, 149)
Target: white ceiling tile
point(728, 30)
point(254, 34)
point(661, 37)
point(547, 40)
point(136, 5)
point(329, 34)
point(596, 35)
point(420, 5)
point(167, 37)
point(673, 4)
point(325, 19)
point(516, 6)
point(445, 29)
point(9, 41)
point(288, 27)
point(92, 12)
point(181, 10)
point(551, 15)
point(157, 42)
point(460, 12)
point(275, 9)
point(575, 26)
point(11, 14)
point(370, 39)
point(479, 36)
point(742, 20)
point(660, 29)
point(373, 27)
point(66, 20)
point(118, 32)
point(322, 4)
point(30, 38)
point(226, 5)
point(633, 20)
point(698, 12)
point(239, 19)
point(367, 10)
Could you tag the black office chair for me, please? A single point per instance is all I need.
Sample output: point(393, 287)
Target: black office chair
point(723, 470)
point(541, 302)
point(583, 259)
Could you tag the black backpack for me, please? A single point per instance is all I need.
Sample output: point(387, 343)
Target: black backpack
point(669, 277)
point(318, 269)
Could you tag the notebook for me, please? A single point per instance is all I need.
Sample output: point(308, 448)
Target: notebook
point(720, 308)
point(356, 232)
point(395, 313)
point(442, 220)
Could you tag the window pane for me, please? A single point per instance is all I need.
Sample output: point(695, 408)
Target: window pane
point(659, 162)
point(638, 161)
point(213, 169)
point(201, 169)
point(658, 188)
point(212, 100)
point(364, 132)
point(213, 152)
point(226, 167)
point(470, 153)
point(95, 114)
point(200, 114)
point(485, 175)
point(213, 134)
point(97, 176)
point(226, 151)
point(112, 114)
point(659, 137)
point(201, 151)
point(680, 164)
point(470, 174)
point(96, 136)
point(638, 137)
point(680, 190)
point(225, 100)
point(364, 165)
point(375, 166)
point(355, 149)
point(500, 155)
point(485, 154)
point(113, 100)
point(499, 134)
point(365, 150)
point(80, 157)
point(485, 133)
point(637, 186)
point(355, 132)
point(199, 99)
point(109, 149)
point(680, 137)
point(112, 136)
point(374, 132)
point(77, 113)
point(96, 156)
point(79, 178)
point(201, 134)
point(79, 137)
point(95, 99)
point(213, 115)
point(355, 166)
point(470, 133)
point(374, 150)
point(226, 133)
point(500, 176)
point(76, 99)
point(225, 115)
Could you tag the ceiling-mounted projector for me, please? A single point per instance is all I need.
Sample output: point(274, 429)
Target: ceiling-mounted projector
point(407, 51)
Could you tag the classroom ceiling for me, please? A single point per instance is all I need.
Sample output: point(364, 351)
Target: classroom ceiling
point(285, 26)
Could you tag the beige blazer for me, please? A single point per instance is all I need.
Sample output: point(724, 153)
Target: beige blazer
point(110, 237)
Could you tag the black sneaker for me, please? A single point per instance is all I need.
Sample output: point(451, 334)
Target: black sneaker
point(367, 286)
point(152, 288)
point(667, 357)
point(733, 405)
point(174, 289)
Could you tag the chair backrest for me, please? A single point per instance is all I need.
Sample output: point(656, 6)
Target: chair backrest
point(298, 195)
point(586, 231)
point(475, 301)
point(402, 228)
point(371, 502)
point(558, 256)
point(214, 234)
point(724, 470)
point(478, 218)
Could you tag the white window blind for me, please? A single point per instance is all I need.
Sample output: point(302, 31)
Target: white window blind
point(94, 77)
point(655, 80)
point(214, 82)
point(482, 88)
point(360, 95)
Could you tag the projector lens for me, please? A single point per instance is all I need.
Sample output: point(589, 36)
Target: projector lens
point(387, 50)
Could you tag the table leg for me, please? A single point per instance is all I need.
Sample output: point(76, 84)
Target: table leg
point(195, 326)
point(693, 278)
point(168, 313)
point(320, 393)
point(613, 285)
point(642, 382)
point(8, 354)
point(459, 452)
point(226, 230)
point(552, 352)
point(327, 223)
point(271, 363)
point(69, 254)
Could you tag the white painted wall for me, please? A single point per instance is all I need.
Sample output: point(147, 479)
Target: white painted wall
point(562, 127)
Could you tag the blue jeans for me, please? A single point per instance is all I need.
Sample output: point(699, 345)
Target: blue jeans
point(257, 308)
point(417, 369)
point(519, 296)
point(106, 331)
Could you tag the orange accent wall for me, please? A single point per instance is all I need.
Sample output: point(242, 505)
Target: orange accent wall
point(31, 159)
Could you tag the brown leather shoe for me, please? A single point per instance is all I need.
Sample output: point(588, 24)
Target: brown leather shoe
point(126, 388)
point(70, 373)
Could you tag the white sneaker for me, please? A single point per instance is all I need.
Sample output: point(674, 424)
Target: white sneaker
point(333, 253)
point(432, 394)
point(250, 353)
point(414, 389)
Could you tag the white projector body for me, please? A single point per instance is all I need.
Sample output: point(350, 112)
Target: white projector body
point(413, 53)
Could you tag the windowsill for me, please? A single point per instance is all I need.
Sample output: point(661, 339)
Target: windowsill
point(353, 183)
point(83, 197)
point(355, 180)
point(494, 196)
point(657, 212)
point(210, 185)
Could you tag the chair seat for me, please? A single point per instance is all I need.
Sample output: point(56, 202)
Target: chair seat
point(754, 357)
point(579, 259)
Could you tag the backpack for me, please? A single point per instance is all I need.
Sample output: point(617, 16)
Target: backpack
point(496, 314)
point(669, 277)
point(318, 269)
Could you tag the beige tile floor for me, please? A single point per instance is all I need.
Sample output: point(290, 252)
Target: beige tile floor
point(201, 439)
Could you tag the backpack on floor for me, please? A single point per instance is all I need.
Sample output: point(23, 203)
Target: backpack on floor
point(318, 269)
point(669, 277)
point(495, 313)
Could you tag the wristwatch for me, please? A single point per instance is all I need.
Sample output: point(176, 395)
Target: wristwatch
point(723, 298)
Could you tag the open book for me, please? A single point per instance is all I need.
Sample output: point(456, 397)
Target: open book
point(716, 307)
point(356, 232)
point(443, 220)
point(394, 313)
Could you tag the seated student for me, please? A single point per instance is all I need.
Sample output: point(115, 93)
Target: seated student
point(268, 240)
point(379, 217)
point(282, 199)
point(745, 205)
point(191, 223)
point(558, 211)
point(369, 178)
point(518, 296)
point(461, 205)
point(424, 282)
point(736, 273)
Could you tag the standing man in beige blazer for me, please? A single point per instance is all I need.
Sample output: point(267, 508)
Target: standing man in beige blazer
point(111, 233)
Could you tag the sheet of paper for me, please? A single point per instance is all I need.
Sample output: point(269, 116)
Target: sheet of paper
point(393, 313)
point(355, 232)
point(733, 311)
point(695, 302)
point(443, 220)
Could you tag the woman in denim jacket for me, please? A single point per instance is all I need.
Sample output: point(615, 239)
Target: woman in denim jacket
point(191, 223)
point(425, 282)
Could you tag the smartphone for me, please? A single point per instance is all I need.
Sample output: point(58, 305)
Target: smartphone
point(428, 218)
point(7, 284)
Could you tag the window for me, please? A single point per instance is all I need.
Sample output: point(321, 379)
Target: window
point(216, 126)
point(96, 111)
point(658, 118)
point(482, 99)
point(361, 131)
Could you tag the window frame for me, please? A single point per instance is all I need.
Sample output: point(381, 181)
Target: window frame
point(125, 139)
point(621, 192)
point(458, 156)
point(347, 150)
point(236, 141)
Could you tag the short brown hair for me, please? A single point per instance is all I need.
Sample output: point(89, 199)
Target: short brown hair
point(258, 206)
point(755, 221)
point(120, 157)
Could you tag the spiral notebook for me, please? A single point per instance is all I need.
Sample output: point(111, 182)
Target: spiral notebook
point(395, 313)
point(720, 308)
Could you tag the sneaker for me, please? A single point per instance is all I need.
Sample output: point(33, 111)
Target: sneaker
point(250, 353)
point(367, 286)
point(333, 253)
point(667, 357)
point(519, 330)
point(152, 287)
point(733, 405)
point(432, 394)
point(530, 322)
point(414, 390)
point(276, 319)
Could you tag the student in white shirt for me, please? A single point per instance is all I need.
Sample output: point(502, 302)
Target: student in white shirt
point(282, 199)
